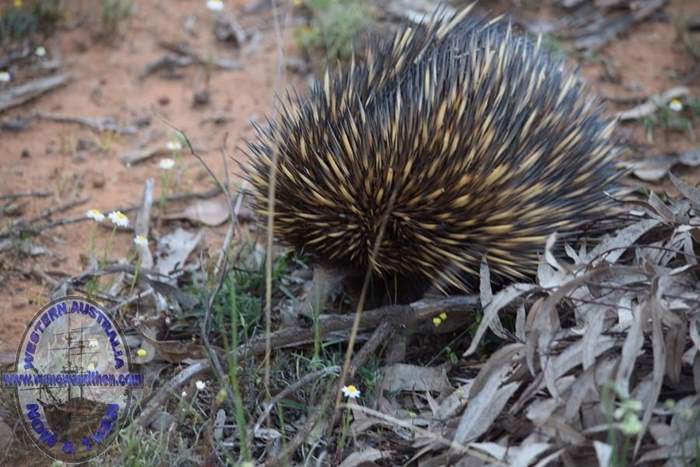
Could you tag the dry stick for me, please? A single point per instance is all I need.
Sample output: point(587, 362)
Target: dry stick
point(142, 224)
point(160, 398)
point(379, 336)
point(60, 208)
point(409, 316)
point(307, 379)
point(97, 124)
point(26, 92)
point(44, 214)
point(38, 194)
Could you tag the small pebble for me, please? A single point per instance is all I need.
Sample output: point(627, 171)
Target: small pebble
point(201, 98)
point(98, 180)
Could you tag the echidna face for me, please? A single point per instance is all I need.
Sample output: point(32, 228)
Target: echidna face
point(450, 143)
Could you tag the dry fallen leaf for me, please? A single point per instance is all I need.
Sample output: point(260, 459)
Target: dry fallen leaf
point(403, 377)
point(211, 212)
point(174, 249)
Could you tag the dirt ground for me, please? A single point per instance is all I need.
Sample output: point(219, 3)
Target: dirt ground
point(70, 160)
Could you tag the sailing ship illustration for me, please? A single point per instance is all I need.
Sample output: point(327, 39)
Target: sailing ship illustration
point(71, 413)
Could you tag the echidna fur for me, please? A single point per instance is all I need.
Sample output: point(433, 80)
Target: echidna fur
point(462, 138)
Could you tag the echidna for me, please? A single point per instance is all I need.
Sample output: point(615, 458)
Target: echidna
point(458, 139)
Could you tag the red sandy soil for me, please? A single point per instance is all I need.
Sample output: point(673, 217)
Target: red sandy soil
point(105, 84)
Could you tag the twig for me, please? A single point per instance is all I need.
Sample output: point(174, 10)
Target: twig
point(307, 379)
point(60, 208)
point(141, 226)
point(184, 56)
point(31, 90)
point(16, 228)
point(227, 26)
point(616, 26)
point(42, 275)
point(654, 102)
point(160, 398)
point(137, 296)
point(27, 194)
point(417, 315)
point(217, 118)
point(97, 123)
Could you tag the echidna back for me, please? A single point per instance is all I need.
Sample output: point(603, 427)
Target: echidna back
point(448, 144)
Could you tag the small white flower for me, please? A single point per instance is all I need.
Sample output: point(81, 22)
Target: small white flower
point(95, 214)
point(675, 105)
point(351, 392)
point(40, 51)
point(5, 77)
point(200, 385)
point(119, 219)
point(140, 240)
point(215, 5)
point(166, 164)
point(92, 343)
point(184, 394)
point(173, 145)
point(91, 367)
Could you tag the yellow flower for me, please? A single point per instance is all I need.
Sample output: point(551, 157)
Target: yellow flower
point(141, 353)
point(351, 392)
point(18, 3)
point(437, 321)
point(443, 316)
